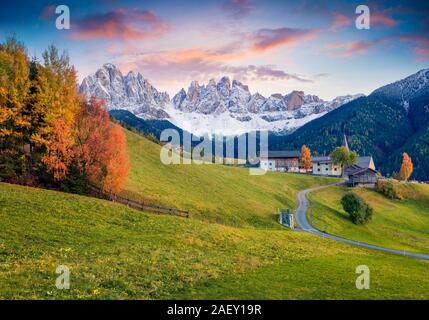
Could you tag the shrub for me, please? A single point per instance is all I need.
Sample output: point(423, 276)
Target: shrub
point(391, 189)
point(359, 211)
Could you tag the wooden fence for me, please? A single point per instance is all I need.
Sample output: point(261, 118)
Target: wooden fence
point(139, 205)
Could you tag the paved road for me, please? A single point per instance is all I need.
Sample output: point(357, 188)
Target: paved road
point(304, 224)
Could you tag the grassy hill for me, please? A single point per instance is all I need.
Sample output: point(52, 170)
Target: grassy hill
point(214, 193)
point(399, 224)
point(232, 248)
point(116, 252)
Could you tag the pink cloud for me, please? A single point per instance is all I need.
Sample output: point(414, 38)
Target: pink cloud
point(379, 18)
point(418, 40)
point(267, 39)
point(119, 24)
point(422, 53)
point(383, 19)
point(201, 64)
point(421, 45)
point(348, 49)
point(340, 21)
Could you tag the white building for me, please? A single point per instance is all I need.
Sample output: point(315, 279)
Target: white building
point(324, 166)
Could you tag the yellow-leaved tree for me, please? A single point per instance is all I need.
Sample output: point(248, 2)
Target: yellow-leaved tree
point(306, 157)
point(406, 167)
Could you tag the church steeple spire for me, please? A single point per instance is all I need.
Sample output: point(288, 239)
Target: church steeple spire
point(345, 143)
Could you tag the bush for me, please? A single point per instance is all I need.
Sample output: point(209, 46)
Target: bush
point(359, 211)
point(391, 189)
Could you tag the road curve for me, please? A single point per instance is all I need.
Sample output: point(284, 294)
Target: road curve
point(304, 224)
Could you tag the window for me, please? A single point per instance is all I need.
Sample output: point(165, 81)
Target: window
point(327, 169)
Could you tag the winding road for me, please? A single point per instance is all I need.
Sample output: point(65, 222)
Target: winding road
point(304, 224)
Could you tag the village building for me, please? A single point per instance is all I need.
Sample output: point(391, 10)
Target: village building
point(362, 173)
point(363, 177)
point(324, 166)
point(282, 161)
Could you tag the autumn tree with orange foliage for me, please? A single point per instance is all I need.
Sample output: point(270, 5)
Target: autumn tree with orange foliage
point(57, 97)
point(306, 157)
point(406, 167)
point(48, 134)
point(101, 148)
point(14, 118)
point(117, 164)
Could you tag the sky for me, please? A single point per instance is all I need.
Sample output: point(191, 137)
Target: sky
point(271, 46)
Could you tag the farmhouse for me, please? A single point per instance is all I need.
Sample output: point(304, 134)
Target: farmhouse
point(283, 161)
point(324, 166)
point(363, 177)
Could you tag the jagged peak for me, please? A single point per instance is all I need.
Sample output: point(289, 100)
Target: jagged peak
point(276, 96)
point(225, 79)
point(110, 66)
point(236, 83)
point(131, 74)
point(194, 84)
point(258, 95)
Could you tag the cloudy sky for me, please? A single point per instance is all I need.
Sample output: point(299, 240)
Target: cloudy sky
point(273, 46)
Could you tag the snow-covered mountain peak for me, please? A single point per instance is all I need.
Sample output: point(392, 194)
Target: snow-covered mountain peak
point(131, 92)
point(224, 106)
point(405, 89)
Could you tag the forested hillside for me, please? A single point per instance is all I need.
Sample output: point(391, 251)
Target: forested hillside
point(380, 125)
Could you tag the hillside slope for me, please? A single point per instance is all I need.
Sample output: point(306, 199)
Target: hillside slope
point(116, 252)
point(215, 193)
point(397, 224)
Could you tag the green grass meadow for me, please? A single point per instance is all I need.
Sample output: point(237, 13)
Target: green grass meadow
point(398, 224)
point(213, 193)
point(232, 247)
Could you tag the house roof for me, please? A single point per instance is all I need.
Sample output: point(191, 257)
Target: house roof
point(284, 154)
point(324, 159)
point(361, 162)
point(364, 162)
point(361, 171)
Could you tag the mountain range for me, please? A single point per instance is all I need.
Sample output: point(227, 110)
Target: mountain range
point(391, 120)
point(224, 107)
